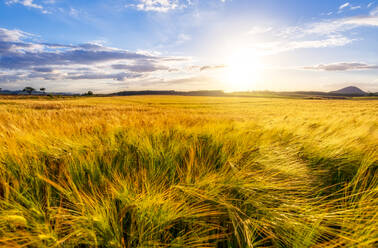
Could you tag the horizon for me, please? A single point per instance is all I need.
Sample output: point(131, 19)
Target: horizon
point(39, 91)
point(183, 45)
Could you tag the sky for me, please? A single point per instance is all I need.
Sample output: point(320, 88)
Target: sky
point(231, 45)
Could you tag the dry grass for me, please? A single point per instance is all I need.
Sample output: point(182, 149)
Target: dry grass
point(188, 172)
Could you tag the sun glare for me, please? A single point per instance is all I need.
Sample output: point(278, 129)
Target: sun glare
point(243, 70)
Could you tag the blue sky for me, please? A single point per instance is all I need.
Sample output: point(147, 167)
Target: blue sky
point(232, 45)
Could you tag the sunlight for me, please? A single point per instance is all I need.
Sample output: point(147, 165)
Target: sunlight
point(243, 70)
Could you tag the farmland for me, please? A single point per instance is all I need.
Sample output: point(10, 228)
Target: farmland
point(181, 171)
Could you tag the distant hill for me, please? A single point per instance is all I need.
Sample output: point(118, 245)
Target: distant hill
point(351, 90)
point(20, 92)
point(170, 92)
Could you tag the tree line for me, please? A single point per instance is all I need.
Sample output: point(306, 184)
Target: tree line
point(30, 90)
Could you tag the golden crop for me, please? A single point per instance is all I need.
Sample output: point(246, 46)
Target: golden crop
point(166, 171)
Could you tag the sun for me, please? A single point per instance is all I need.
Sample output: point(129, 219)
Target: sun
point(242, 71)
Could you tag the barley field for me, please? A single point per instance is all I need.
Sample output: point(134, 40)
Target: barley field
point(169, 171)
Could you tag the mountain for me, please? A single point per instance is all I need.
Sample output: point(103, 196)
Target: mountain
point(351, 90)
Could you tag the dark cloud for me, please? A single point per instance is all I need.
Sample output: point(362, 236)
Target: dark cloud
point(5, 78)
point(45, 76)
point(21, 60)
point(9, 48)
point(211, 67)
point(17, 54)
point(207, 67)
point(198, 81)
point(141, 67)
point(343, 67)
point(43, 69)
point(18, 60)
point(116, 76)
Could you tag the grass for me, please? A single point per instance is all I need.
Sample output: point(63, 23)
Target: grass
point(168, 171)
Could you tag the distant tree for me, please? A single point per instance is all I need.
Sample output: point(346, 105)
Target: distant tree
point(90, 93)
point(43, 90)
point(28, 90)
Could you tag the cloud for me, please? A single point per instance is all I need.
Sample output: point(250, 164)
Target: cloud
point(116, 76)
point(204, 68)
point(24, 55)
point(43, 75)
point(269, 48)
point(183, 38)
point(322, 34)
point(343, 6)
point(187, 81)
point(355, 7)
point(343, 66)
point(329, 42)
point(208, 67)
point(374, 12)
point(349, 6)
point(27, 3)
point(370, 5)
point(159, 5)
point(43, 69)
point(21, 60)
point(164, 6)
point(340, 25)
point(7, 78)
point(7, 35)
point(141, 67)
point(259, 30)
point(361, 21)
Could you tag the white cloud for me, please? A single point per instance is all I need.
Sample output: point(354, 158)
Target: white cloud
point(73, 12)
point(349, 6)
point(161, 5)
point(355, 7)
point(183, 38)
point(370, 4)
point(374, 12)
point(344, 5)
point(259, 30)
point(27, 3)
point(7, 35)
point(157, 5)
point(329, 42)
point(269, 48)
point(343, 66)
point(361, 21)
point(24, 60)
point(340, 25)
point(323, 34)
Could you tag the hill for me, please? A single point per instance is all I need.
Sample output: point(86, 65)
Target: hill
point(170, 92)
point(351, 90)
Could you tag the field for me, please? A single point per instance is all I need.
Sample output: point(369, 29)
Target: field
point(170, 171)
